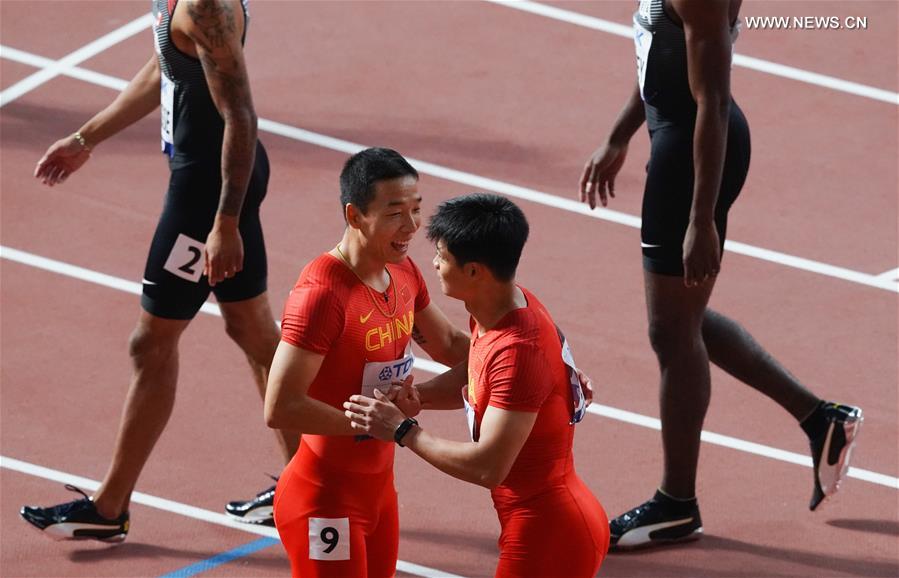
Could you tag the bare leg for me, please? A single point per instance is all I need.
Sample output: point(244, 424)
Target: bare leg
point(251, 325)
point(154, 355)
point(675, 331)
point(734, 350)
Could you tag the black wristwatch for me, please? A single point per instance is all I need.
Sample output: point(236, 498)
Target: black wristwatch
point(403, 429)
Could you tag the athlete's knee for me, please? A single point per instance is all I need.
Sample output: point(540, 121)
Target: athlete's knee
point(254, 331)
point(672, 339)
point(239, 331)
point(253, 334)
point(714, 323)
point(150, 345)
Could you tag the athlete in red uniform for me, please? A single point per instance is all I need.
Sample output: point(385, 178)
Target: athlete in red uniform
point(523, 396)
point(347, 328)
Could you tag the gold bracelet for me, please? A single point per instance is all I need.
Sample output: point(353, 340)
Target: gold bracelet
point(80, 140)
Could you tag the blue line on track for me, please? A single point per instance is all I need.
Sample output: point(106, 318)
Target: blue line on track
point(222, 558)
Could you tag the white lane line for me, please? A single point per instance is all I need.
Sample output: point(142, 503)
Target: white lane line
point(36, 61)
point(572, 206)
point(740, 60)
point(185, 510)
point(891, 275)
point(706, 436)
point(433, 367)
point(539, 197)
point(85, 52)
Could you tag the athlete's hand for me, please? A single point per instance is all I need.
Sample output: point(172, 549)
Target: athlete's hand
point(224, 250)
point(377, 417)
point(702, 254)
point(586, 386)
point(599, 173)
point(63, 158)
point(405, 396)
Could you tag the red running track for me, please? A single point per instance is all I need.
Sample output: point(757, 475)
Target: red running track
point(497, 93)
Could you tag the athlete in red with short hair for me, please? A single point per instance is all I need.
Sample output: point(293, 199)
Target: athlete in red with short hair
point(347, 328)
point(523, 395)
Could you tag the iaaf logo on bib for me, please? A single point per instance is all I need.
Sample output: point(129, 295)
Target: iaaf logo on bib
point(396, 370)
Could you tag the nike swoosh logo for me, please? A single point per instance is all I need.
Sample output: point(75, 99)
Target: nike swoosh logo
point(146, 282)
point(364, 318)
point(641, 535)
point(648, 246)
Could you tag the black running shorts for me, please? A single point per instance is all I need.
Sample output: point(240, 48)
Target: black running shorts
point(668, 195)
point(174, 286)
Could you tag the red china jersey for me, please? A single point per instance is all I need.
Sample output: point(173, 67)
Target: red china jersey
point(517, 365)
point(332, 313)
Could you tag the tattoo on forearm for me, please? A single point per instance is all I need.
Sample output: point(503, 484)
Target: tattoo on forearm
point(417, 336)
point(217, 43)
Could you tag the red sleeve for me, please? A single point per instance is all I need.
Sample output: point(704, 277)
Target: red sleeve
point(422, 298)
point(520, 378)
point(313, 318)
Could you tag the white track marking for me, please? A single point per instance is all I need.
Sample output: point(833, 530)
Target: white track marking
point(36, 61)
point(433, 367)
point(85, 52)
point(508, 189)
point(891, 275)
point(749, 62)
point(185, 510)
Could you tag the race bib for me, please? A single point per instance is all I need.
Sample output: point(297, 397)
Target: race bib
point(329, 538)
point(645, 9)
point(167, 110)
point(579, 402)
point(642, 44)
point(380, 374)
point(470, 416)
point(186, 258)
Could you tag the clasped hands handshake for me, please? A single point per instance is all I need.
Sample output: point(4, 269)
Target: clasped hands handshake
point(381, 415)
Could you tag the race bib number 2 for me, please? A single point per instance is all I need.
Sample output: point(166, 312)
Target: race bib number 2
point(329, 538)
point(186, 258)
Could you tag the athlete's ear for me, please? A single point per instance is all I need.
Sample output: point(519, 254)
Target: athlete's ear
point(472, 269)
point(353, 215)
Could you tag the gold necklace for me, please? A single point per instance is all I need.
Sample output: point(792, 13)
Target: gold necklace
point(370, 291)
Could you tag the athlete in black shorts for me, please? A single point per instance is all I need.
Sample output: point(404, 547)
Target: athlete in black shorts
point(698, 163)
point(209, 238)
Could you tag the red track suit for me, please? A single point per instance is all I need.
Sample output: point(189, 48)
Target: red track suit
point(335, 504)
point(552, 525)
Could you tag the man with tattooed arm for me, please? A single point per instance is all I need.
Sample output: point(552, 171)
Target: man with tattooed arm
point(208, 239)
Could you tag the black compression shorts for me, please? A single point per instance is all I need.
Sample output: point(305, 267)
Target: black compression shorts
point(174, 286)
point(668, 195)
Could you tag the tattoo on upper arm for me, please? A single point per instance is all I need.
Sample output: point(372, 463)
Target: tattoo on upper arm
point(215, 20)
point(417, 335)
point(217, 33)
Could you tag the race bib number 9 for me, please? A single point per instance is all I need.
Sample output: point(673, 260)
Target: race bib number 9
point(329, 538)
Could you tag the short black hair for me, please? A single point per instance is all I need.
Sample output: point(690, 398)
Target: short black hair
point(364, 169)
point(482, 228)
